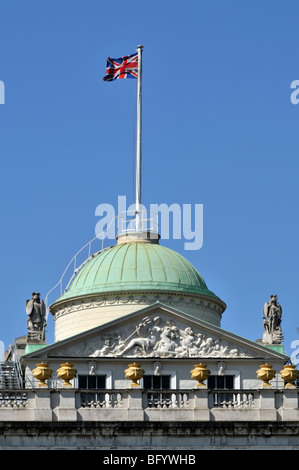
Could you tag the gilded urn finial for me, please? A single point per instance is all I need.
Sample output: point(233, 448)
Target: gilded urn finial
point(265, 373)
point(66, 372)
point(200, 373)
point(289, 374)
point(134, 373)
point(42, 372)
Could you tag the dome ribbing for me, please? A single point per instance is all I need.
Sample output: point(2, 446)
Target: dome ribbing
point(134, 267)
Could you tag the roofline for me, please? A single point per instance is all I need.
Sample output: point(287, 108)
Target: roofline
point(174, 311)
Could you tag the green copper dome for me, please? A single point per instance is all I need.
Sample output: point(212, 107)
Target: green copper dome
point(135, 267)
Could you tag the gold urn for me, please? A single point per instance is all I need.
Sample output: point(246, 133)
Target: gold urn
point(265, 373)
point(66, 372)
point(134, 373)
point(200, 373)
point(289, 374)
point(42, 372)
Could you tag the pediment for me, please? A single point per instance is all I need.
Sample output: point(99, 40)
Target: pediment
point(157, 332)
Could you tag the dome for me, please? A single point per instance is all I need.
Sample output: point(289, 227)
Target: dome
point(134, 274)
point(135, 267)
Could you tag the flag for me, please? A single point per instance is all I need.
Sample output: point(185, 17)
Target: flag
point(124, 67)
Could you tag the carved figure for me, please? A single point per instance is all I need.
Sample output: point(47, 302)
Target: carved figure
point(36, 323)
point(143, 343)
point(166, 345)
point(155, 337)
point(147, 332)
point(106, 349)
point(208, 346)
point(190, 342)
point(157, 368)
point(272, 313)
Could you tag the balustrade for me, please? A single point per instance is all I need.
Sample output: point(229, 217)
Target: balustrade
point(229, 399)
point(13, 399)
point(140, 404)
point(101, 399)
point(167, 400)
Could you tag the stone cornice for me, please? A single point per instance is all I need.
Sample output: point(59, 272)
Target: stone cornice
point(67, 306)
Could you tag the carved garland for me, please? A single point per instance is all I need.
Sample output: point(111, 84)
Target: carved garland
point(146, 298)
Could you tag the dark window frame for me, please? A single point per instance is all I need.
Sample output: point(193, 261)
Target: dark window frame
point(155, 384)
point(92, 382)
point(221, 386)
point(221, 382)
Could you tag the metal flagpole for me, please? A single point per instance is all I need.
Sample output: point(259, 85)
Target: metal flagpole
point(138, 140)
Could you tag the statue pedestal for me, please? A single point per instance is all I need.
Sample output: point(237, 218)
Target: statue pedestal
point(31, 347)
point(35, 337)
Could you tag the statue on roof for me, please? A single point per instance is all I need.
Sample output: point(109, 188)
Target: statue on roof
point(36, 322)
point(272, 313)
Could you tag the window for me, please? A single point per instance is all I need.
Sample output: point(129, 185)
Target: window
point(92, 382)
point(157, 382)
point(222, 382)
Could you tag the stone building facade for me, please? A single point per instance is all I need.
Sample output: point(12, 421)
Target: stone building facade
point(140, 361)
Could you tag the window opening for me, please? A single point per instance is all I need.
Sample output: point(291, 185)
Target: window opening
point(155, 397)
point(92, 383)
point(220, 383)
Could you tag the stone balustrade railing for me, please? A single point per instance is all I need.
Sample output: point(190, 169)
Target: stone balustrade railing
point(149, 405)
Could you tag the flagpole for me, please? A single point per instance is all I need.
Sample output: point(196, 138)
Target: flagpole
point(138, 139)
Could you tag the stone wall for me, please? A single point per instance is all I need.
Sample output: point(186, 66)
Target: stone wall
point(136, 436)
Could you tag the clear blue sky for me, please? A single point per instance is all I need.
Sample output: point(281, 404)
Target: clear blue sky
point(219, 129)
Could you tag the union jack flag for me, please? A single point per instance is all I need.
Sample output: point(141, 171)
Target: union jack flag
point(124, 67)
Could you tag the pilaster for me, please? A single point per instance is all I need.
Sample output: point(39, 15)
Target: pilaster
point(290, 411)
point(135, 408)
point(201, 405)
point(267, 408)
point(42, 410)
point(66, 411)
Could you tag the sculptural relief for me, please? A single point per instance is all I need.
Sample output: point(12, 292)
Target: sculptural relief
point(155, 337)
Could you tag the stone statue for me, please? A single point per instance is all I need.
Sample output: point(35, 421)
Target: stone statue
point(36, 322)
point(271, 321)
